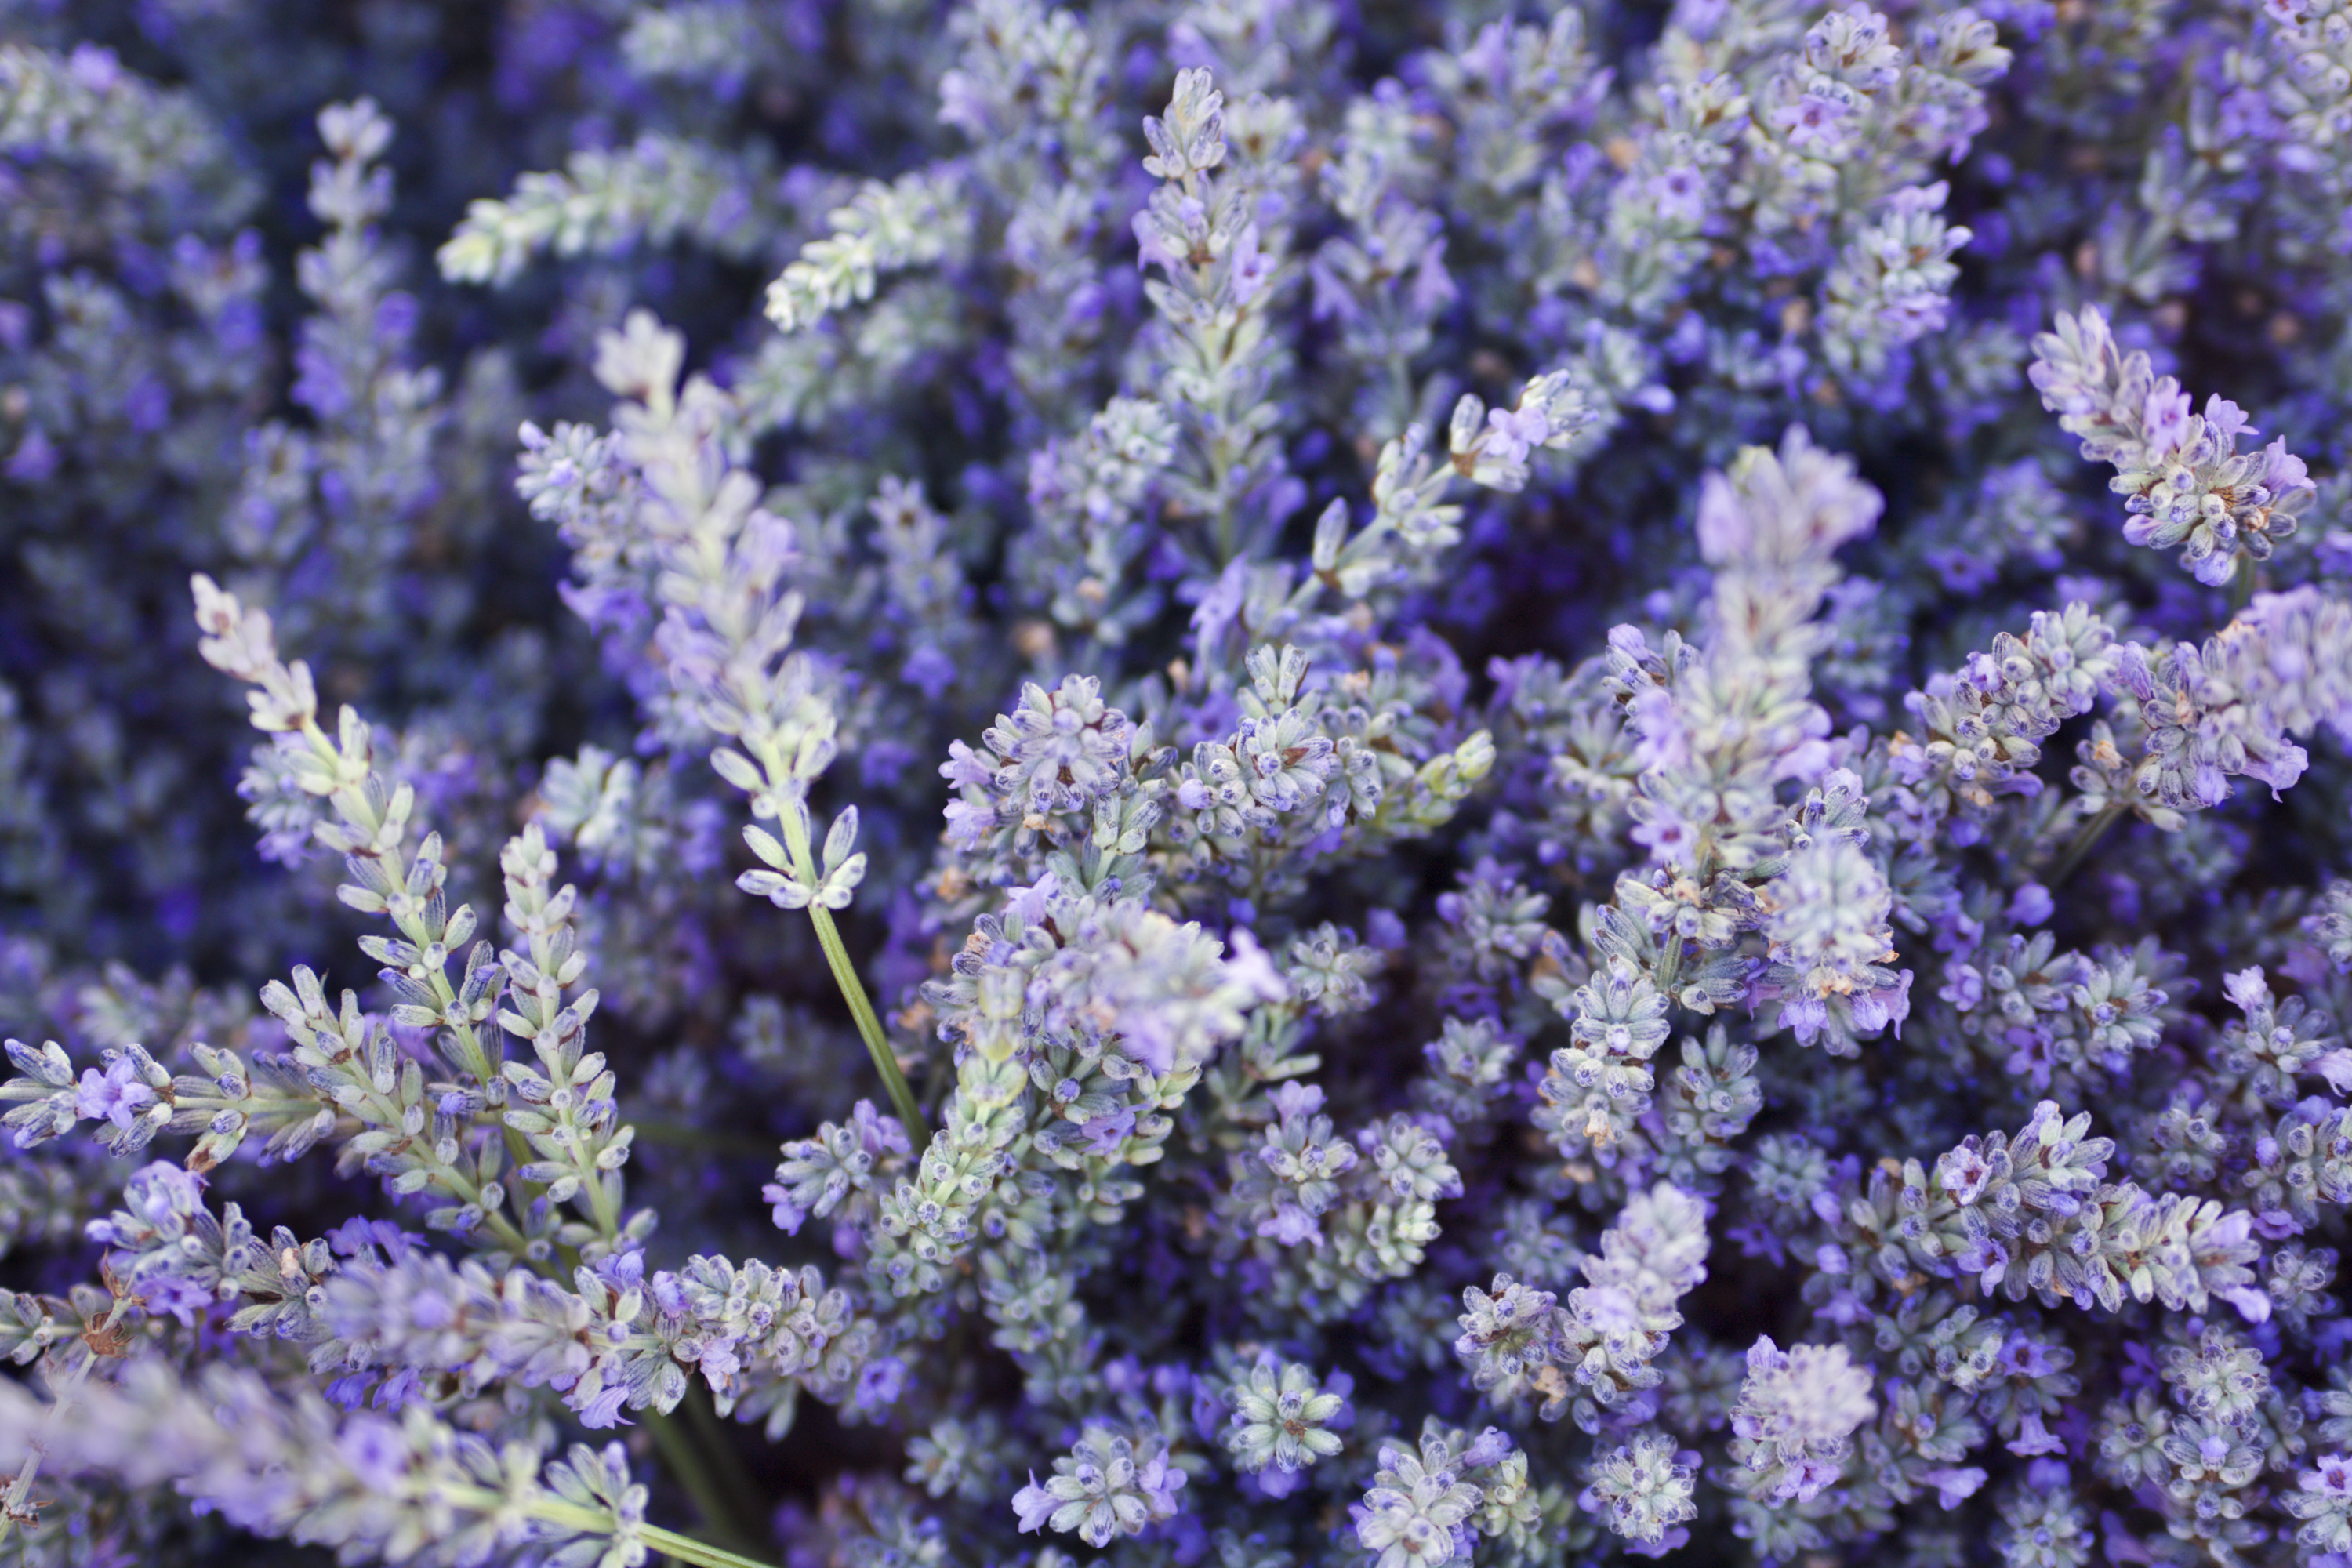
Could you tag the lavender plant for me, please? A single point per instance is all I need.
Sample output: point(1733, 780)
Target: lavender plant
point(1275, 784)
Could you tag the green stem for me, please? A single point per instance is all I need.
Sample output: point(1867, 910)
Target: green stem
point(601, 1204)
point(1670, 964)
point(2241, 585)
point(679, 1458)
point(686, 1549)
point(20, 1487)
point(885, 1061)
point(853, 990)
point(599, 1522)
point(710, 1437)
point(2071, 855)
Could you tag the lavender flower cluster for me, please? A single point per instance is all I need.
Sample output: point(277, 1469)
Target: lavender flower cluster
point(1191, 784)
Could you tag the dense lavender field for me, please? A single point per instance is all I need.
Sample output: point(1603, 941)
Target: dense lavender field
point(1243, 782)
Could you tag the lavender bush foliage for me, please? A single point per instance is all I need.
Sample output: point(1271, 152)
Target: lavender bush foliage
point(939, 783)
